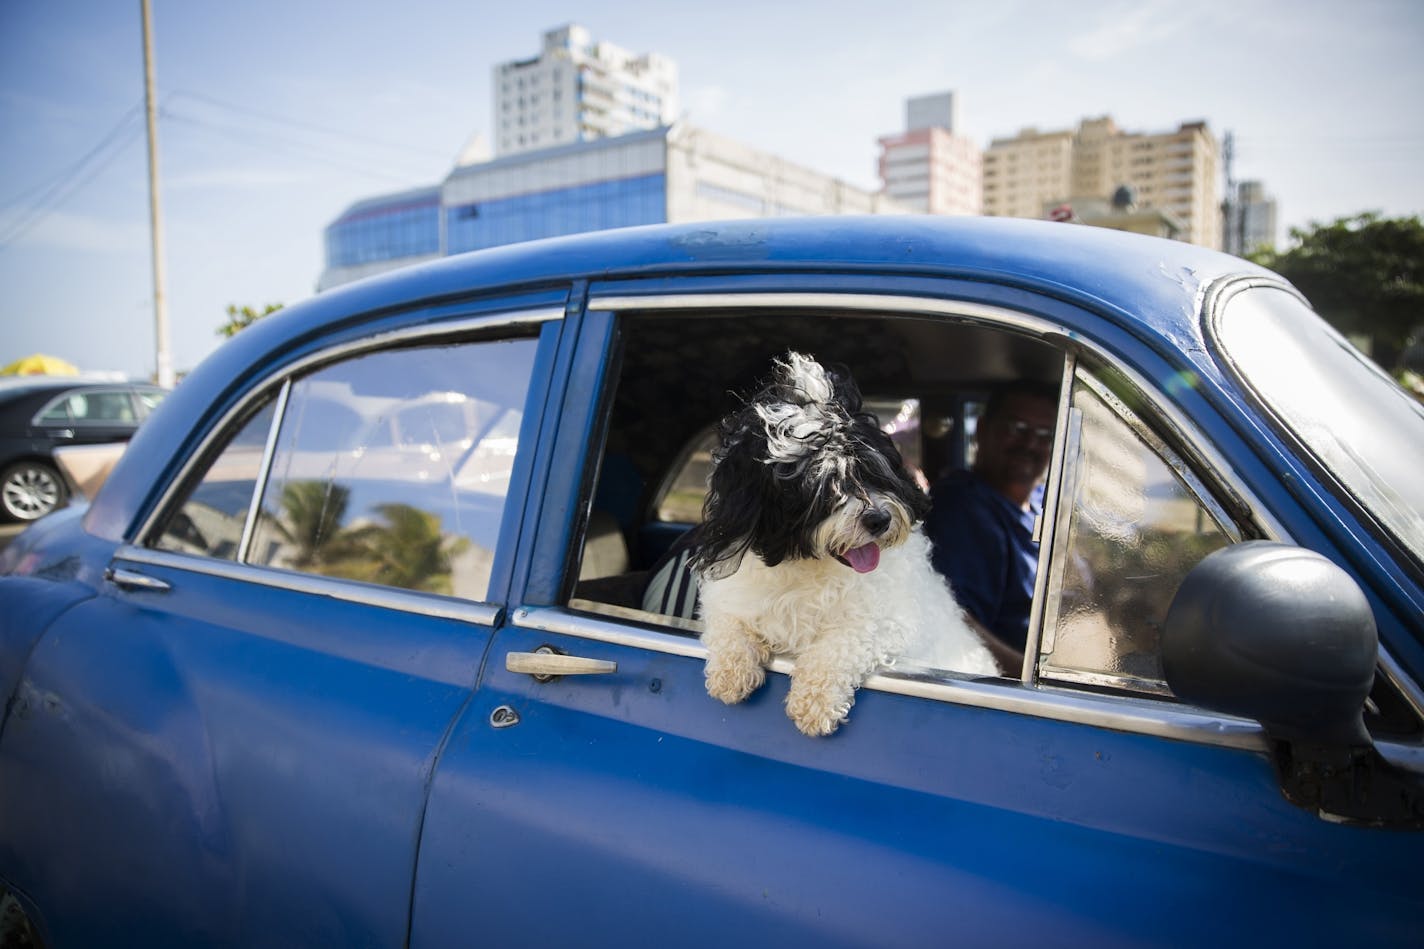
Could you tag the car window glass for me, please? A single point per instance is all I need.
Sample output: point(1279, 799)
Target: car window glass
point(210, 520)
point(60, 412)
point(1131, 529)
point(392, 468)
point(97, 407)
point(1356, 421)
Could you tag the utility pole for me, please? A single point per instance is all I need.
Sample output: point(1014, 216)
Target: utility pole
point(1228, 203)
point(164, 359)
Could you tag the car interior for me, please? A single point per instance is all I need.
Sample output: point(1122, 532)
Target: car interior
point(682, 372)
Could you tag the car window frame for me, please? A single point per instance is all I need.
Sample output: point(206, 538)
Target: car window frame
point(1054, 549)
point(525, 322)
point(1133, 712)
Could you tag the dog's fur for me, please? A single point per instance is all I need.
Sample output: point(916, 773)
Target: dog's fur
point(811, 548)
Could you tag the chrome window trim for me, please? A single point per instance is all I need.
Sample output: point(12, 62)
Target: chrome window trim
point(350, 591)
point(928, 306)
point(1138, 715)
point(259, 390)
point(1065, 439)
point(259, 486)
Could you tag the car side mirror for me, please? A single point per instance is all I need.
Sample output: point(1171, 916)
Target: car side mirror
point(1282, 635)
point(1275, 633)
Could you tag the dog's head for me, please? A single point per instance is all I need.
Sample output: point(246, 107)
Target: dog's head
point(804, 472)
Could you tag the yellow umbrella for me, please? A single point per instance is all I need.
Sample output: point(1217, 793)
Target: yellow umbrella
point(39, 365)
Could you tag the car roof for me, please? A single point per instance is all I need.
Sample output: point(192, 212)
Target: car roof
point(17, 391)
point(1152, 286)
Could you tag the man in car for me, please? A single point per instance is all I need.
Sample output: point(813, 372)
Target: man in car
point(982, 519)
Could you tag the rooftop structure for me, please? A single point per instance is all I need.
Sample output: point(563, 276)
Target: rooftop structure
point(578, 90)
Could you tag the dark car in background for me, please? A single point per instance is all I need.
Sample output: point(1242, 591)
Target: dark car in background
point(40, 414)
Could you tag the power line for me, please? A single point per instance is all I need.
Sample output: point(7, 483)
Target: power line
point(56, 190)
point(303, 125)
point(108, 136)
point(306, 150)
point(72, 179)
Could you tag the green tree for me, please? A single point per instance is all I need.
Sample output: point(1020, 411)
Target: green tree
point(241, 317)
point(1365, 276)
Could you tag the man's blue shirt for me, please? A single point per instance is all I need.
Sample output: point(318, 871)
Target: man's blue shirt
point(983, 543)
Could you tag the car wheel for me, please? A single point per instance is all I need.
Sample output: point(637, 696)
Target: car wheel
point(30, 490)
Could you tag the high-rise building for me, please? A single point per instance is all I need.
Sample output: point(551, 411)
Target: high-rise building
point(930, 167)
point(1172, 172)
point(577, 90)
point(1250, 220)
point(1024, 173)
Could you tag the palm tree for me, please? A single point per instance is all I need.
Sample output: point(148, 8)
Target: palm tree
point(408, 551)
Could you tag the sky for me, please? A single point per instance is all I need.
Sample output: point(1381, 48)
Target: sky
point(275, 115)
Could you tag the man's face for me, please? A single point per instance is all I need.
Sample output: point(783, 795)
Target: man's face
point(1014, 445)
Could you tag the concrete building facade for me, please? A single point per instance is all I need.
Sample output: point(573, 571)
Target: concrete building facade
point(578, 90)
point(1172, 172)
point(930, 167)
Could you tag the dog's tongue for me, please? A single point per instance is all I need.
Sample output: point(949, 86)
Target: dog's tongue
point(863, 559)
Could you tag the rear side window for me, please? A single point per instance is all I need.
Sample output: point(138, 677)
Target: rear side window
point(389, 468)
point(211, 518)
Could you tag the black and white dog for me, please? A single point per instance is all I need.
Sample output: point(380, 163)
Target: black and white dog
point(810, 548)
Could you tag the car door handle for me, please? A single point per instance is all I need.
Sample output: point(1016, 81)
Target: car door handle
point(544, 664)
point(133, 580)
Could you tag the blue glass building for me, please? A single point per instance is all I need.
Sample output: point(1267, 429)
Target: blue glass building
point(669, 174)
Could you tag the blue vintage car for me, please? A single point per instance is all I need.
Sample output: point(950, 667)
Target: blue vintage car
point(354, 645)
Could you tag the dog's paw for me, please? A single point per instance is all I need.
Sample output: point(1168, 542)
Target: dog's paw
point(817, 713)
point(731, 682)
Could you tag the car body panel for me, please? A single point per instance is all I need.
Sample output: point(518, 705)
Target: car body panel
point(638, 804)
point(199, 751)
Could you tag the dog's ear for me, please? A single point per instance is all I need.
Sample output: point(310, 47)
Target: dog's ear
point(729, 513)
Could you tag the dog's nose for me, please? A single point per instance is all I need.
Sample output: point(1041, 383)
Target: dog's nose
point(875, 521)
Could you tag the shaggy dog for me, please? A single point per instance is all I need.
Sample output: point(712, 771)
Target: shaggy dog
point(810, 548)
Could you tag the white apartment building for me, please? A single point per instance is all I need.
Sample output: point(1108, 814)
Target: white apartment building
point(1172, 172)
point(578, 90)
point(929, 167)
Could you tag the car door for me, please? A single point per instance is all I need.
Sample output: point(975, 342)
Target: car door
point(231, 745)
point(592, 792)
